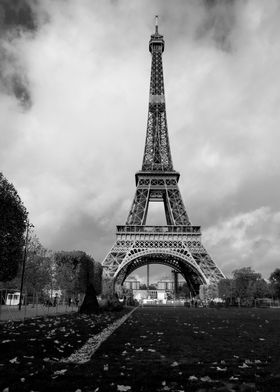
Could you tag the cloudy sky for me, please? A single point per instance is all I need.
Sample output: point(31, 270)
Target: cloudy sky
point(74, 81)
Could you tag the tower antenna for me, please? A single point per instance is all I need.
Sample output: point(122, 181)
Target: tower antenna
point(156, 23)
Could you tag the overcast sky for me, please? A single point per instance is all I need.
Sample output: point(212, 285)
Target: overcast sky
point(74, 87)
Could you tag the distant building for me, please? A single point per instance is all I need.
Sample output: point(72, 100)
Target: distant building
point(167, 283)
point(131, 283)
point(161, 292)
point(150, 295)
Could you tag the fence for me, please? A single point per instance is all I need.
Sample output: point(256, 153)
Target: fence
point(266, 303)
point(34, 305)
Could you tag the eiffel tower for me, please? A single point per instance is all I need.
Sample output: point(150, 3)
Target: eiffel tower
point(178, 244)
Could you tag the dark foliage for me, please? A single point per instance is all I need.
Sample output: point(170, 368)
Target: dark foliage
point(245, 286)
point(13, 221)
point(275, 282)
point(17, 14)
point(77, 272)
point(38, 269)
point(90, 303)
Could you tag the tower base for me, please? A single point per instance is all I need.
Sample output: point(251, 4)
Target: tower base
point(178, 247)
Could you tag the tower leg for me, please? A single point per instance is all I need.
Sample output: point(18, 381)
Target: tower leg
point(107, 287)
point(148, 278)
point(175, 284)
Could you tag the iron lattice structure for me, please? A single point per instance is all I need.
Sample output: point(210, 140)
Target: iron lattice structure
point(178, 244)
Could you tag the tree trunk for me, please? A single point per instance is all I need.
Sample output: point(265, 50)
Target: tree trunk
point(90, 303)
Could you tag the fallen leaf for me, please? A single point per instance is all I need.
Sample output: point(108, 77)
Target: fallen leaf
point(123, 387)
point(221, 369)
point(243, 366)
point(193, 378)
point(206, 379)
point(62, 371)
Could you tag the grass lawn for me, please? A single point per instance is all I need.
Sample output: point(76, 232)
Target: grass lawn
point(156, 349)
point(30, 349)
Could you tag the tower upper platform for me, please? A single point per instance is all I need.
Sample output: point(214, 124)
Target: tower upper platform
point(156, 42)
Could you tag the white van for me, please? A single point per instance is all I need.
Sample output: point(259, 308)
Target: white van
point(12, 298)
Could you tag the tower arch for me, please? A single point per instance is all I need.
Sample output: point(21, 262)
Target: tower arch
point(188, 268)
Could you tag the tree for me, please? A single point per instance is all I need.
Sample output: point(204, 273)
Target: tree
point(260, 289)
point(13, 217)
point(275, 282)
point(77, 272)
point(226, 290)
point(38, 268)
point(208, 292)
point(184, 291)
point(66, 274)
point(245, 279)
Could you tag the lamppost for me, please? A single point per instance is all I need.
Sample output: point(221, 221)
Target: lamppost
point(29, 225)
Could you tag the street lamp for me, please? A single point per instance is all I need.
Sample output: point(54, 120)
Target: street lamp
point(29, 225)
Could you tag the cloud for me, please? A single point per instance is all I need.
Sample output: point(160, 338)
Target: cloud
point(73, 106)
point(246, 239)
point(16, 18)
